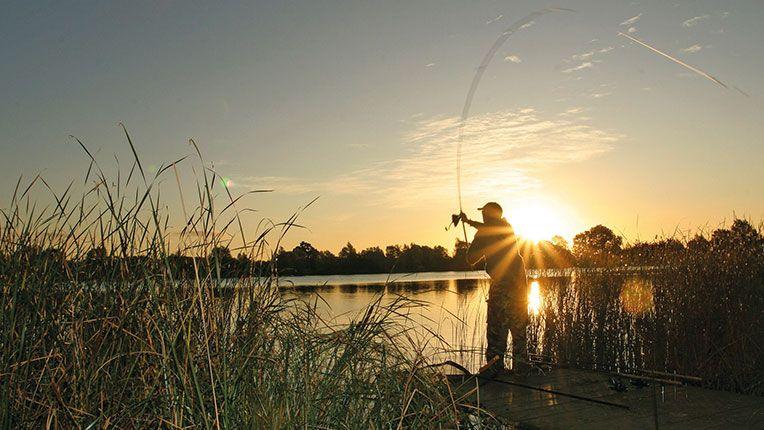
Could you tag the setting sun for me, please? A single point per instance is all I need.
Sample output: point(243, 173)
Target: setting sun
point(538, 222)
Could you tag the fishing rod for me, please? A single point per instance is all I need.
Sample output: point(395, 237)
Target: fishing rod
point(478, 376)
point(626, 372)
point(524, 22)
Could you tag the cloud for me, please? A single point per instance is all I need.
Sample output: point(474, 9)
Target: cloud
point(491, 21)
point(601, 95)
point(632, 20)
point(584, 56)
point(429, 65)
point(527, 25)
point(502, 150)
point(572, 111)
point(632, 30)
point(513, 59)
point(692, 49)
point(694, 21)
point(587, 57)
point(582, 66)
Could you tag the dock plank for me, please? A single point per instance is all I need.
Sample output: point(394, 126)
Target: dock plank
point(678, 407)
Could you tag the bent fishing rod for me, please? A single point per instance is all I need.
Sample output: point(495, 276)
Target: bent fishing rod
point(522, 23)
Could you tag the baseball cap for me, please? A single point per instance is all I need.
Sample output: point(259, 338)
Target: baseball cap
point(493, 208)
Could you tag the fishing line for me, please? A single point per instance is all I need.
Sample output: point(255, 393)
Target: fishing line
point(524, 22)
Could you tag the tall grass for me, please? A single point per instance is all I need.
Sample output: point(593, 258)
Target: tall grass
point(699, 310)
point(97, 329)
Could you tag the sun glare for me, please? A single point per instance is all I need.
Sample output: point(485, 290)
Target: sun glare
point(534, 298)
point(537, 222)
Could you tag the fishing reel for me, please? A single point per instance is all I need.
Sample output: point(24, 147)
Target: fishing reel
point(455, 218)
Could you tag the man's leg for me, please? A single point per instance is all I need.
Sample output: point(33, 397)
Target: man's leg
point(518, 326)
point(519, 329)
point(497, 328)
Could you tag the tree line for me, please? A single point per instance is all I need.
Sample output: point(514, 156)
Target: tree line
point(596, 247)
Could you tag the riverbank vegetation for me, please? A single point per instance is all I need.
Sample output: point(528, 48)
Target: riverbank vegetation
point(692, 307)
point(99, 328)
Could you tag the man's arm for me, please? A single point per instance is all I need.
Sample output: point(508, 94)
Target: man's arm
point(469, 222)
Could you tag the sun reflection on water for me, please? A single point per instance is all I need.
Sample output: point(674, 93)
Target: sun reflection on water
point(534, 298)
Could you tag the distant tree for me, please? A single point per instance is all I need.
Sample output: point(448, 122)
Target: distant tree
point(243, 265)
point(739, 241)
point(306, 258)
point(392, 255)
point(597, 246)
point(373, 260)
point(459, 260)
point(328, 263)
point(348, 252)
point(348, 258)
point(546, 255)
point(746, 235)
point(221, 261)
point(560, 242)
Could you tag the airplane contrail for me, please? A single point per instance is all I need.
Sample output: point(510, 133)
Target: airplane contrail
point(681, 63)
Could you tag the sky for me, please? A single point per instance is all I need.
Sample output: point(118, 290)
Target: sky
point(359, 103)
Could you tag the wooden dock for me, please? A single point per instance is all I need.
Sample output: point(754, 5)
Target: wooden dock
point(677, 406)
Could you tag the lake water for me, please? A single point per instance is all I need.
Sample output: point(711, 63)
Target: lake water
point(452, 305)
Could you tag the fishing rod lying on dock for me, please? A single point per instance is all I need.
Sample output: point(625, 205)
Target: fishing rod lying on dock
point(523, 385)
point(630, 373)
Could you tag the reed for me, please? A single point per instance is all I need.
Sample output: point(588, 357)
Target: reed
point(695, 308)
point(99, 330)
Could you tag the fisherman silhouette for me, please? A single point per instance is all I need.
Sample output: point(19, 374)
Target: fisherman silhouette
point(496, 245)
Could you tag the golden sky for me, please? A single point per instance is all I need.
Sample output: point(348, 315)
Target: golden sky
point(572, 125)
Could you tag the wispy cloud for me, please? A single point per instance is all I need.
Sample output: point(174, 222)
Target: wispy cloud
point(429, 65)
point(501, 151)
point(586, 59)
point(582, 66)
point(513, 59)
point(632, 30)
point(692, 49)
point(492, 20)
point(632, 20)
point(584, 56)
point(694, 21)
point(601, 95)
point(527, 25)
point(572, 111)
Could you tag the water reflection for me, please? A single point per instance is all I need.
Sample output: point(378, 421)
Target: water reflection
point(534, 298)
point(570, 316)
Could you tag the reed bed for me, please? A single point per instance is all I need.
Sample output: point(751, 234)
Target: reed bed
point(697, 310)
point(99, 331)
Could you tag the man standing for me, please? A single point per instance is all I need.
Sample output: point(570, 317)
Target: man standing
point(495, 243)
